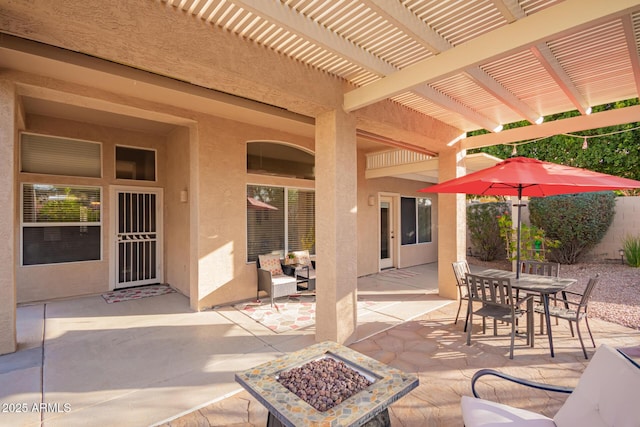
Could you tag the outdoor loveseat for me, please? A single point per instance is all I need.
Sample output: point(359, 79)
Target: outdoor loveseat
point(606, 395)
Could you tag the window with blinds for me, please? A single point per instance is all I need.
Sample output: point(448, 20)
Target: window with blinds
point(415, 220)
point(60, 224)
point(60, 156)
point(279, 224)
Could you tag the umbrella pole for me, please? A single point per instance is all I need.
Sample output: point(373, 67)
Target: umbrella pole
point(518, 231)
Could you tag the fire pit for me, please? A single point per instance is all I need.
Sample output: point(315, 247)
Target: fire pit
point(326, 384)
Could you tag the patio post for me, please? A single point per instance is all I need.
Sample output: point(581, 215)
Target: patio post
point(336, 227)
point(8, 297)
point(452, 223)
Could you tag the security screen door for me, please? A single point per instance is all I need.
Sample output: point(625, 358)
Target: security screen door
point(138, 248)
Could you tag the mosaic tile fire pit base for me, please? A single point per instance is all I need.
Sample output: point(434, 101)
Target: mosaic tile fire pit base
point(288, 409)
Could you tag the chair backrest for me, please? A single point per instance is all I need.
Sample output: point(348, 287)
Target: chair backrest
point(540, 268)
point(460, 269)
point(271, 263)
point(301, 257)
point(589, 290)
point(490, 291)
point(606, 394)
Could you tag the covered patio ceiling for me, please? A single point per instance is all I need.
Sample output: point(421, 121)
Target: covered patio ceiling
point(473, 64)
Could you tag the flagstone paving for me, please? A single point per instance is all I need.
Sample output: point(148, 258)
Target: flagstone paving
point(435, 349)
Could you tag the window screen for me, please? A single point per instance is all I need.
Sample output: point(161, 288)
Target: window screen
point(59, 156)
point(415, 216)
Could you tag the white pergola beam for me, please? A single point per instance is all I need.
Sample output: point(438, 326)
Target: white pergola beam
point(544, 25)
point(558, 127)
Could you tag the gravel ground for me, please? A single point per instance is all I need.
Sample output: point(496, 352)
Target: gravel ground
point(616, 298)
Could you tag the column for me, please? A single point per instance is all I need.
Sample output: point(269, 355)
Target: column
point(336, 227)
point(8, 222)
point(452, 223)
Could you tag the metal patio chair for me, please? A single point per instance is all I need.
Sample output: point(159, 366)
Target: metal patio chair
point(460, 270)
point(573, 310)
point(498, 301)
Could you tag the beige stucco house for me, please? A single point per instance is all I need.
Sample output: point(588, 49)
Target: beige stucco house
point(158, 120)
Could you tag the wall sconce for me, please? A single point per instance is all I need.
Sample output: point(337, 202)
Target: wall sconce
point(621, 252)
point(371, 200)
point(184, 196)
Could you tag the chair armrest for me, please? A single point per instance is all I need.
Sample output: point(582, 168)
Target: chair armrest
point(521, 381)
point(522, 300)
point(264, 280)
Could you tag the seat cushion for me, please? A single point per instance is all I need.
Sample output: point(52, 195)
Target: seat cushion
point(302, 257)
point(484, 413)
point(270, 263)
point(606, 394)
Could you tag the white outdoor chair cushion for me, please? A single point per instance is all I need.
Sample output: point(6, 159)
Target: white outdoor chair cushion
point(271, 263)
point(606, 394)
point(302, 257)
point(484, 413)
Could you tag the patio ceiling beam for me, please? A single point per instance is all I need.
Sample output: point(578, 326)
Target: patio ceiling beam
point(296, 23)
point(542, 52)
point(512, 11)
point(424, 35)
point(558, 127)
point(632, 45)
point(537, 28)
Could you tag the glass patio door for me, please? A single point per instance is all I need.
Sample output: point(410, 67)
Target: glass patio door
point(387, 232)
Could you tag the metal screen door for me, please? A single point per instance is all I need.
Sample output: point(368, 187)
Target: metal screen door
point(138, 252)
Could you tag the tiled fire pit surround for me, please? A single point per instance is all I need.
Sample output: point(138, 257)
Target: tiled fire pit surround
point(390, 385)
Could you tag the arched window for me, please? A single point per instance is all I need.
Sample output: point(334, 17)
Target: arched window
point(273, 158)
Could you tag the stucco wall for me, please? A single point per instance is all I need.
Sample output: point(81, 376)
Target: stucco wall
point(8, 156)
point(41, 282)
point(223, 272)
point(177, 223)
point(625, 223)
point(368, 228)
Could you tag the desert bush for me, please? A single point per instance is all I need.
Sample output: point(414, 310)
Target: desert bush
point(631, 245)
point(577, 221)
point(482, 222)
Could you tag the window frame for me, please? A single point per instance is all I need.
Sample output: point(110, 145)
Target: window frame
point(26, 224)
point(416, 225)
point(286, 189)
point(134, 180)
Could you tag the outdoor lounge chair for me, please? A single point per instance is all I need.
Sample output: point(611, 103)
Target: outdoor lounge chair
point(271, 278)
point(460, 269)
point(606, 395)
point(573, 310)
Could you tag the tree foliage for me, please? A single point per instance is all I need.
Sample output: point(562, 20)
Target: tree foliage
point(577, 221)
point(613, 150)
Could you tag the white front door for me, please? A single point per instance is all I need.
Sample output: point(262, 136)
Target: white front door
point(138, 224)
point(387, 232)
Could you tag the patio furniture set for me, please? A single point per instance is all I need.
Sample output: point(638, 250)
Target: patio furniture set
point(279, 279)
point(497, 293)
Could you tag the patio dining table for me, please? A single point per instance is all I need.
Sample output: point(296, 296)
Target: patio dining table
point(542, 285)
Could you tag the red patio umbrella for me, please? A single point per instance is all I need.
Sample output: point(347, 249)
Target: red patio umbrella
point(522, 176)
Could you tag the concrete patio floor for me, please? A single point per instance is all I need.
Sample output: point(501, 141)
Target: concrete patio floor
point(154, 362)
point(83, 362)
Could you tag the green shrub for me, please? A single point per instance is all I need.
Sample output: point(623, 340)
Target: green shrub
point(534, 243)
point(578, 221)
point(632, 250)
point(482, 222)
